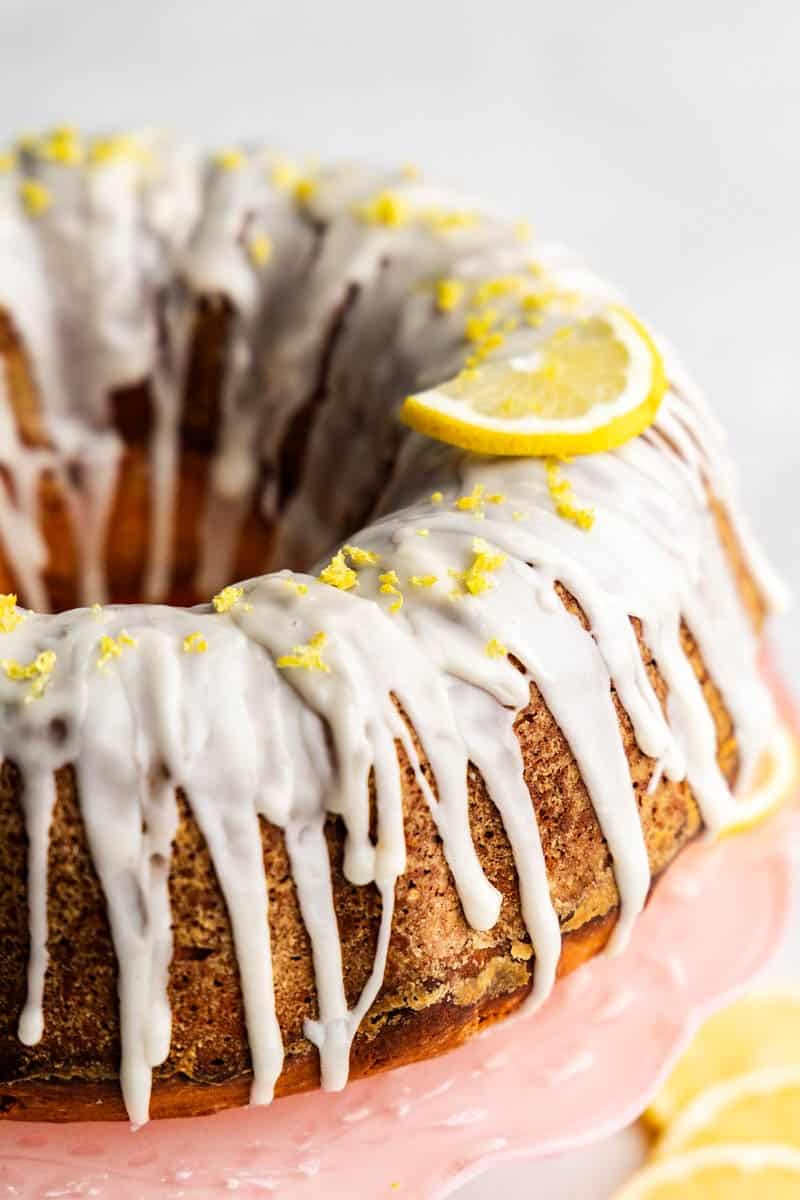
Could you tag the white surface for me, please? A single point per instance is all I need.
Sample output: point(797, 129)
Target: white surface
point(663, 140)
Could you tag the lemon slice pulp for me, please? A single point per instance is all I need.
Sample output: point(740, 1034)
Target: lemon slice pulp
point(761, 1107)
point(759, 1031)
point(590, 386)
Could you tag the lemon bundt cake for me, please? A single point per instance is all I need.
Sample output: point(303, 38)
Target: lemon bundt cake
point(343, 815)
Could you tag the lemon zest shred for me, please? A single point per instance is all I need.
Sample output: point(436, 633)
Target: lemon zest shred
point(361, 558)
point(62, 145)
point(442, 220)
point(306, 657)
point(10, 616)
point(112, 647)
point(386, 208)
point(449, 294)
point(260, 249)
point(230, 159)
point(35, 197)
point(337, 573)
point(437, 497)
point(423, 532)
point(423, 581)
point(389, 581)
point(194, 643)
point(38, 671)
point(300, 588)
point(495, 648)
point(473, 503)
point(283, 174)
point(305, 189)
point(106, 150)
point(563, 497)
point(478, 326)
point(475, 579)
point(501, 285)
point(228, 598)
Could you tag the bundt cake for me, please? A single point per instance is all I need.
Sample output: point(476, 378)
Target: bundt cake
point(341, 816)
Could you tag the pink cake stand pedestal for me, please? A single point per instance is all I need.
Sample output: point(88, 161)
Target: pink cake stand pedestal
point(578, 1070)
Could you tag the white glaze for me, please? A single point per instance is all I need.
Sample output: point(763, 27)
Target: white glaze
point(246, 740)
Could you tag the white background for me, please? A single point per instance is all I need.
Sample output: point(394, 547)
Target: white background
point(663, 139)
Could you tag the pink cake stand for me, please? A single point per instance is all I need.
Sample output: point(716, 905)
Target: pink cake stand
point(577, 1071)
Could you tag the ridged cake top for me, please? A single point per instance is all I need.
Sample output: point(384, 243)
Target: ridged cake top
point(287, 696)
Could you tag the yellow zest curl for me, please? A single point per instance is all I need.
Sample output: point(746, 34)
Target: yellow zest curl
point(564, 498)
point(449, 294)
point(474, 502)
point(495, 649)
point(10, 616)
point(475, 579)
point(305, 189)
point(227, 599)
point(111, 647)
point(442, 220)
point(306, 657)
point(361, 558)
point(337, 573)
point(260, 249)
point(389, 581)
point(35, 197)
point(283, 174)
point(62, 145)
point(300, 588)
point(194, 643)
point(384, 209)
point(39, 671)
point(423, 581)
point(230, 159)
point(113, 149)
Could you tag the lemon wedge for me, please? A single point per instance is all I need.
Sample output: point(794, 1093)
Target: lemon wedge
point(761, 1107)
point(720, 1173)
point(759, 1031)
point(590, 386)
point(778, 776)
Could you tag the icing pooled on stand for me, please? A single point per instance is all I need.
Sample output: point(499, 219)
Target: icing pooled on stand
point(287, 697)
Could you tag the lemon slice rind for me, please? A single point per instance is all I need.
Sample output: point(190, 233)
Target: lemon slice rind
point(686, 1169)
point(783, 756)
point(603, 427)
point(709, 1109)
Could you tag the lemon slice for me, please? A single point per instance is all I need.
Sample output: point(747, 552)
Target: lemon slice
point(590, 386)
point(778, 775)
point(761, 1030)
point(720, 1173)
point(761, 1107)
